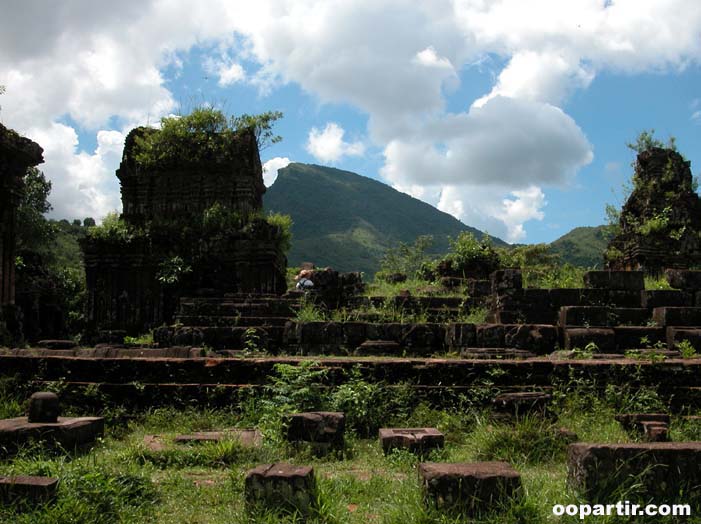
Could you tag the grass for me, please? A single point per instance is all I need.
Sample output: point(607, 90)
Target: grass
point(120, 480)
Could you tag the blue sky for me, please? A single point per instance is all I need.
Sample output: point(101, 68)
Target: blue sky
point(511, 116)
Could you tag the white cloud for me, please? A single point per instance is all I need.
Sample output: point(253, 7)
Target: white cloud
point(271, 167)
point(228, 70)
point(328, 145)
point(101, 64)
point(543, 77)
point(81, 182)
point(696, 115)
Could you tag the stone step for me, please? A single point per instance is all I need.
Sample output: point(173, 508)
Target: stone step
point(677, 335)
point(601, 316)
point(618, 280)
point(579, 338)
point(677, 316)
point(231, 321)
point(653, 298)
point(226, 309)
point(220, 337)
point(495, 353)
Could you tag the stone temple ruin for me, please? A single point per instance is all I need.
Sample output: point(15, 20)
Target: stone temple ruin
point(201, 215)
point(224, 320)
point(16, 155)
point(660, 225)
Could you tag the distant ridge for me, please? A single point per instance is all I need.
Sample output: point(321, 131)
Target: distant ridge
point(583, 246)
point(347, 221)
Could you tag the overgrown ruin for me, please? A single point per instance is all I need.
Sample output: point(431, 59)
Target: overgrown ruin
point(190, 226)
point(473, 351)
point(660, 224)
point(16, 155)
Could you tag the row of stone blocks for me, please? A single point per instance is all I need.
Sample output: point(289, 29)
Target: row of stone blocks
point(469, 488)
point(663, 471)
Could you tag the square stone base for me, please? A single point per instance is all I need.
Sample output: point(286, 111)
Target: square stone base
point(416, 440)
point(281, 486)
point(68, 432)
point(469, 488)
point(322, 429)
point(27, 489)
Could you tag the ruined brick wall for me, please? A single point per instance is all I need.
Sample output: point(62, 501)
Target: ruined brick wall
point(165, 204)
point(188, 189)
point(16, 155)
point(660, 224)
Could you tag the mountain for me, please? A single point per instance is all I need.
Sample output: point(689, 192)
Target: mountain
point(347, 221)
point(583, 246)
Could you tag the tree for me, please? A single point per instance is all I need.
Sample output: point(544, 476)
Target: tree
point(33, 230)
point(646, 140)
point(262, 126)
point(89, 222)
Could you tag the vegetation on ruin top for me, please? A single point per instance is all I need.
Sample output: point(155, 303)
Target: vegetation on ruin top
point(203, 136)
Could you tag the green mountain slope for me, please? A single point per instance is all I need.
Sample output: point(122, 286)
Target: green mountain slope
point(583, 246)
point(347, 221)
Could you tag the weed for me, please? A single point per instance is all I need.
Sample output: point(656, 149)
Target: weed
point(686, 349)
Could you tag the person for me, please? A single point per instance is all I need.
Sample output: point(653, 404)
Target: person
point(303, 280)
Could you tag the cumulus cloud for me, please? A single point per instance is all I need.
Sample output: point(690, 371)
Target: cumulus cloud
point(506, 142)
point(226, 69)
point(271, 167)
point(81, 182)
point(328, 145)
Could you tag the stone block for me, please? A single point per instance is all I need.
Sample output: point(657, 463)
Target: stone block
point(506, 280)
point(495, 353)
point(560, 297)
point(479, 288)
point(522, 402)
point(629, 337)
point(633, 421)
point(57, 344)
point(625, 298)
point(322, 428)
point(653, 298)
point(594, 297)
point(677, 316)
point(43, 407)
point(538, 338)
point(677, 335)
point(354, 333)
point(248, 438)
point(604, 338)
point(684, 279)
point(490, 335)
point(27, 489)
point(665, 470)
point(585, 316)
point(469, 488)
point(655, 431)
point(416, 440)
point(67, 432)
point(379, 348)
point(282, 487)
point(460, 335)
point(623, 280)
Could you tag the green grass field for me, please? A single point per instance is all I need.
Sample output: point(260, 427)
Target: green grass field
point(121, 480)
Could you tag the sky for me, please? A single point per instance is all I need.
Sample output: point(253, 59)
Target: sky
point(512, 116)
